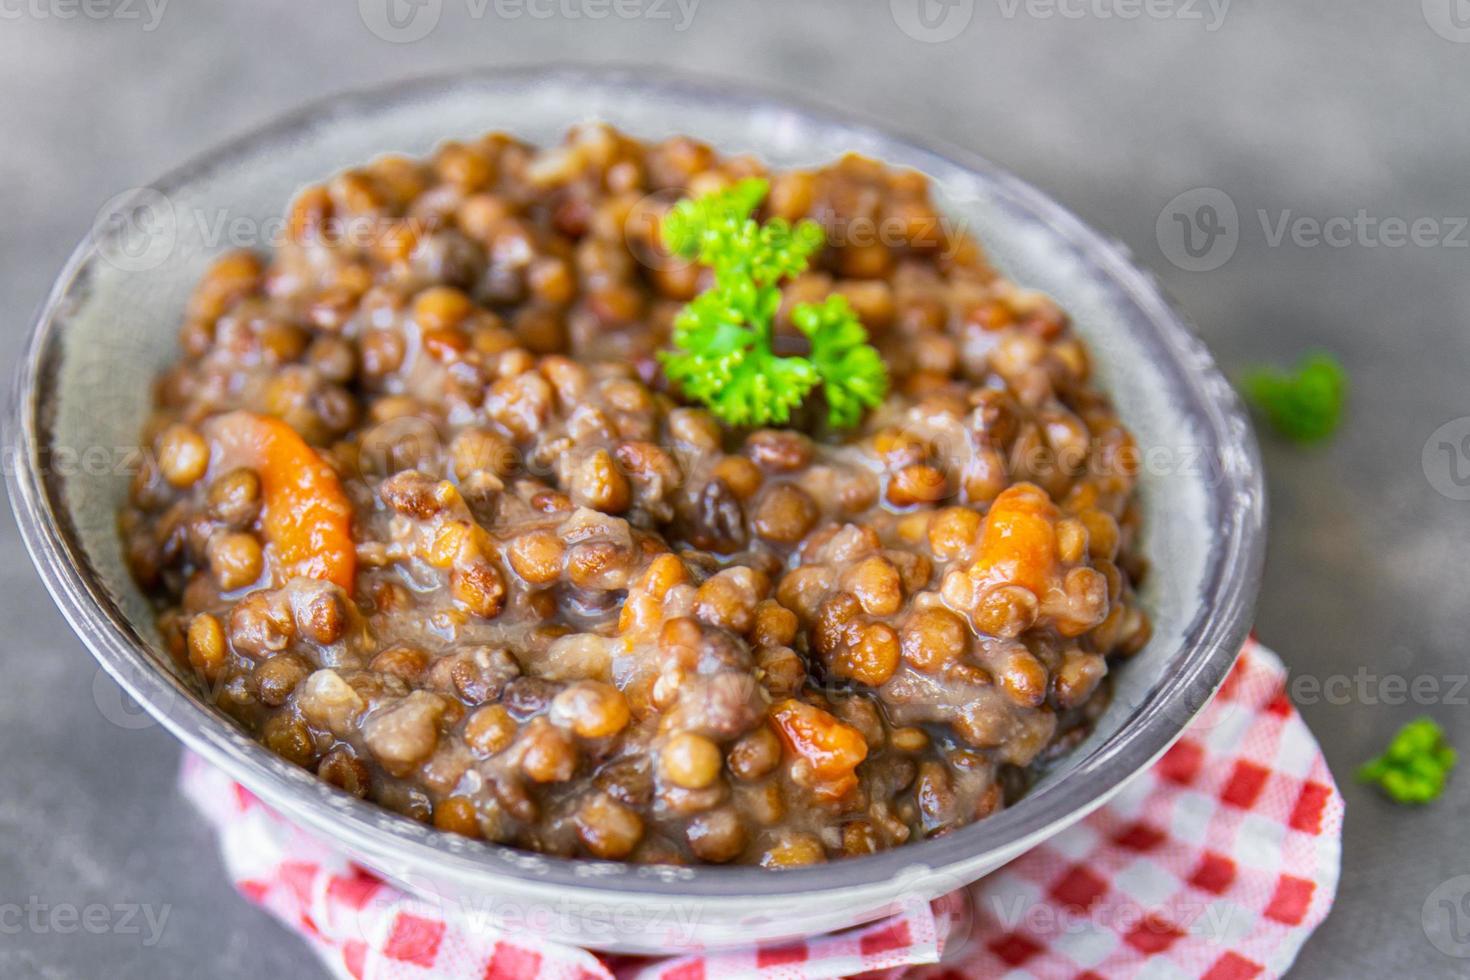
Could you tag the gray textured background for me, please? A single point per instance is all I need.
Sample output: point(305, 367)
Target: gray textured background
point(1310, 107)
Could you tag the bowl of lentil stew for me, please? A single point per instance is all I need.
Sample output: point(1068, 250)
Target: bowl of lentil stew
point(584, 526)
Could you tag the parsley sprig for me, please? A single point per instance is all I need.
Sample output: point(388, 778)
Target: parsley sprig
point(722, 341)
point(1415, 765)
point(1305, 404)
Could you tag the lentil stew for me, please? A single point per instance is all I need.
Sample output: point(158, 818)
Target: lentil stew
point(422, 514)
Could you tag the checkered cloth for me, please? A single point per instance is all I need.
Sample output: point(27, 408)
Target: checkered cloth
point(1216, 864)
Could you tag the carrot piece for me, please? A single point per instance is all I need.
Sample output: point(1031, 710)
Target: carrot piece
point(830, 748)
point(305, 516)
point(1018, 543)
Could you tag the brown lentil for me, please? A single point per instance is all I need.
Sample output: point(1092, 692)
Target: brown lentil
point(592, 709)
point(183, 455)
point(489, 730)
point(456, 814)
point(785, 514)
point(236, 560)
point(206, 641)
point(690, 761)
point(607, 828)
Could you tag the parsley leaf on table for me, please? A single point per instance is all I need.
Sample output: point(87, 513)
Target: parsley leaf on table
point(1416, 764)
point(1305, 404)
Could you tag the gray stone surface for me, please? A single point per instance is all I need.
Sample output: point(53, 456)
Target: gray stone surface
point(1314, 108)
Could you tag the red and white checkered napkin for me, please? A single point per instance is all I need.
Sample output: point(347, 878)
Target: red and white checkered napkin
point(1217, 863)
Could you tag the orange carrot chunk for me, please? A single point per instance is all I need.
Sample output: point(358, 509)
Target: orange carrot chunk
point(305, 516)
point(1018, 543)
point(828, 751)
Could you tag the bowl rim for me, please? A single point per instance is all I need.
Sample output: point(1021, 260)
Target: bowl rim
point(1213, 638)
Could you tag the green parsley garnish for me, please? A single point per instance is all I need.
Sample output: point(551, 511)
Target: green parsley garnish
point(1305, 404)
point(722, 341)
point(1415, 766)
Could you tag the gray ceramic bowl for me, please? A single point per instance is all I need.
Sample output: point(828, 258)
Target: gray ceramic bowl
point(110, 325)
